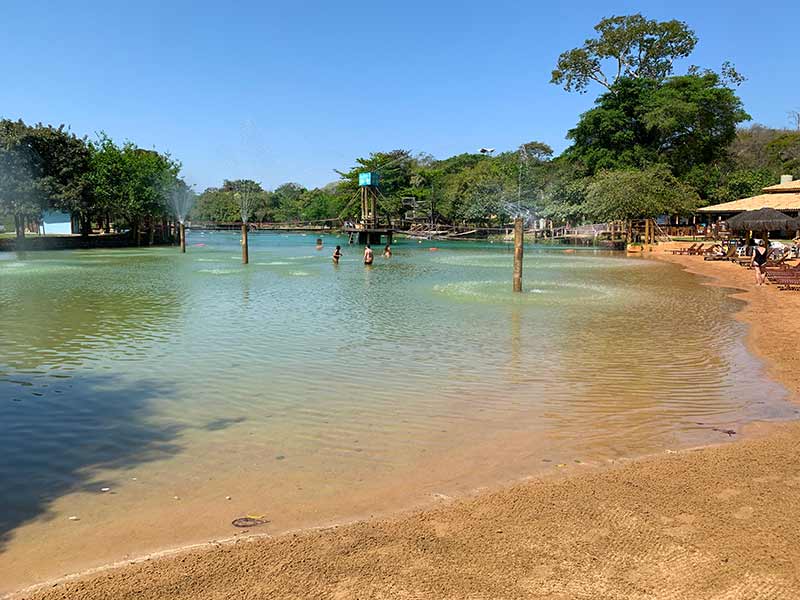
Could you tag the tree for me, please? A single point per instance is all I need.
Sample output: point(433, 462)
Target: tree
point(784, 153)
point(217, 206)
point(395, 169)
point(743, 183)
point(65, 162)
point(685, 121)
point(636, 194)
point(633, 46)
point(694, 119)
point(131, 183)
point(23, 189)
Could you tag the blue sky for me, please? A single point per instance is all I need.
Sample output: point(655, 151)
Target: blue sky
point(289, 91)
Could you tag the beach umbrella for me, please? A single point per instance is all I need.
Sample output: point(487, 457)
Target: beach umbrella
point(763, 219)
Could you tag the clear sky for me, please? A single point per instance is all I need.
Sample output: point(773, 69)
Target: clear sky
point(290, 90)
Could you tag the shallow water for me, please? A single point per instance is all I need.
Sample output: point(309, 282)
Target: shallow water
point(310, 393)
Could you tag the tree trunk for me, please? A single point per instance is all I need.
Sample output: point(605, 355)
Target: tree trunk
point(183, 238)
point(86, 226)
point(19, 227)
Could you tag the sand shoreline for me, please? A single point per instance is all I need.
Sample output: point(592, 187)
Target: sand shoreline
point(499, 545)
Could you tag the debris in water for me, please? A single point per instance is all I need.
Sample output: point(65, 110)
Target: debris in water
point(730, 432)
point(249, 521)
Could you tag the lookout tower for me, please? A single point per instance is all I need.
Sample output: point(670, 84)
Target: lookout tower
point(369, 229)
point(368, 188)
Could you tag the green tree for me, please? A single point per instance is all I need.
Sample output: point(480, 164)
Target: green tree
point(635, 194)
point(130, 183)
point(23, 187)
point(784, 153)
point(66, 162)
point(217, 206)
point(628, 46)
point(684, 121)
point(743, 183)
point(395, 169)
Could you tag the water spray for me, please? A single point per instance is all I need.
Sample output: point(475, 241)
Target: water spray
point(181, 198)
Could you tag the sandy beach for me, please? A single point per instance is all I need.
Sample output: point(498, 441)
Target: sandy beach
point(711, 523)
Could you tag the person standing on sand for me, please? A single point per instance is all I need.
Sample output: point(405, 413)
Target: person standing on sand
point(368, 256)
point(337, 254)
point(759, 261)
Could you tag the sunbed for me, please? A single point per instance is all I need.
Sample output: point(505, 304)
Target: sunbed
point(729, 254)
point(684, 250)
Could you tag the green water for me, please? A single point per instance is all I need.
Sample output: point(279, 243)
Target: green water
point(315, 377)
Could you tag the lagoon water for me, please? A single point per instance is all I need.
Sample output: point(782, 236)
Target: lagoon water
point(199, 390)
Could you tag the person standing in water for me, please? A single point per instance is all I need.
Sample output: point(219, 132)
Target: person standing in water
point(387, 251)
point(368, 256)
point(337, 254)
point(759, 261)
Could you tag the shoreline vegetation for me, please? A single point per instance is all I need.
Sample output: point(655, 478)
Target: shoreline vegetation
point(710, 522)
point(657, 142)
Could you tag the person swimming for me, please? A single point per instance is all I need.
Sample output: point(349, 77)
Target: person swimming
point(337, 254)
point(368, 255)
point(387, 251)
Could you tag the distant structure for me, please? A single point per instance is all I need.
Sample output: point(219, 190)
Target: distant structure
point(369, 229)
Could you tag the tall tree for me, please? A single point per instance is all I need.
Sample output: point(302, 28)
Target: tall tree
point(686, 121)
point(628, 46)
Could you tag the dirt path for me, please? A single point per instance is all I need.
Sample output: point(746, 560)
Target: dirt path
point(718, 523)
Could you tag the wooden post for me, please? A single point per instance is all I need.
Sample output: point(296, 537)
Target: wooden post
point(183, 238)
point(245, 257)
point(518, 240)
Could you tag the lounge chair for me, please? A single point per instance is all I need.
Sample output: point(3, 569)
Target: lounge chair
point(729, 254)
point(684, 250)
point(698, 250)
point(777, 263)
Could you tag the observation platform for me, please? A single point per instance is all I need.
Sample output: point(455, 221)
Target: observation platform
point(369, 235)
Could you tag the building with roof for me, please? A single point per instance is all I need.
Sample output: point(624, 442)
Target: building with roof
point(784, 197)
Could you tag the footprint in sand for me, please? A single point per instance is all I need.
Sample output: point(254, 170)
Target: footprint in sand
point(744, 512)
point(728, 493)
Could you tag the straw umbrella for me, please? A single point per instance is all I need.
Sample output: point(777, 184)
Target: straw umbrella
point(765, 220)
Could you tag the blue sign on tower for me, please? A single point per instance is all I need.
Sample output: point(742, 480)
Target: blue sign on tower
point(369, 178)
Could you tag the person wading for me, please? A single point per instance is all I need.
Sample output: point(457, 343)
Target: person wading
point(368, 256)
point(337, 254)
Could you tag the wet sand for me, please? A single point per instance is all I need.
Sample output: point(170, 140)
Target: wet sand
point(718, 522)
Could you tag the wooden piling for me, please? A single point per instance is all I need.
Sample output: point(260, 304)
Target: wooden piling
point(183, 238)
point(518, 241)
point(245, 256)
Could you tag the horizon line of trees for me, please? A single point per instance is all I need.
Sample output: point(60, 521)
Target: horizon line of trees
point(99, 182)
point(654, 143)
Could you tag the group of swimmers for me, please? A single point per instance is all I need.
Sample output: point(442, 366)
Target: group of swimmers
point(369, 255)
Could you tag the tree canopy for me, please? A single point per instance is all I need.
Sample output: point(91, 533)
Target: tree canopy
point(626, 47)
